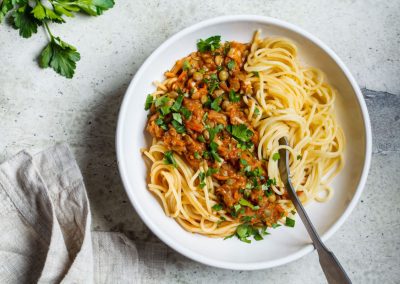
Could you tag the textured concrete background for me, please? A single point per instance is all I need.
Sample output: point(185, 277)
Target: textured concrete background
point(39, 108)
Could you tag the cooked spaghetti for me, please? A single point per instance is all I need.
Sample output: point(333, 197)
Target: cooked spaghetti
point(216, 120)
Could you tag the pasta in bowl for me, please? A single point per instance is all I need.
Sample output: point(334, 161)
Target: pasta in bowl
point(215, 119)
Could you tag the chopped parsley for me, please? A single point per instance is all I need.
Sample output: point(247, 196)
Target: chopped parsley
point(149, 102)
point(276, 156)
point(178, 127)
point(186, 113)
point(247, 203)
point(299, 157)
point(160, 122)
point(211, 171)
point(275, 225)
point(244, 231)
point(212, 83)
point(234, 97)
point(214, 131)
point(231, 64)
point(213, 152)
point(186, 65)
point(201, 138)
point(217, 207)
point(243, 162)
point(290, 222)
point(197, 156)
point(202, 177)
point(178, 103)
point(209, 44)
point(240, 132)
point(256, 73)
point(256, 112)
point(215, 104)
point(161, 101)
point(169, 159)
point(177, 117)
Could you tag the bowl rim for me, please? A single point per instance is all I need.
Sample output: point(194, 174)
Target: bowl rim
point(226, 264)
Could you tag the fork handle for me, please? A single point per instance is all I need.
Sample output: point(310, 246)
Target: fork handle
point(333, 270)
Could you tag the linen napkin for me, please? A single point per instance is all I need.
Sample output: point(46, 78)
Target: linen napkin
point(45, 222)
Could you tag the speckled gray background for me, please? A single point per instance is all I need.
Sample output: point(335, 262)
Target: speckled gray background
point(39, 108)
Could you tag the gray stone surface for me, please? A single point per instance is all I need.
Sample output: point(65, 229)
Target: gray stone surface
point(38, 108)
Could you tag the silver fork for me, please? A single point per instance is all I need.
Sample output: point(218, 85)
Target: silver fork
point(334, 272)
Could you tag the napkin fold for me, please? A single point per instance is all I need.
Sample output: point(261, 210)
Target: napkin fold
point(45, 227)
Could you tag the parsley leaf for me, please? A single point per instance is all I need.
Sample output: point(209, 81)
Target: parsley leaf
point(211, 171)
point(178, 127)
point(60, 56)
point(233, 97)
point(276, 156)
point(231, 64)
point(299, 157)
point(215, 104)
point(275, 225)
point(149, 102)
point(25, 21)
point(186, 65)
point(177, 117)
point(209, 44)
point(186, 113)
point(240, 132)
point(178, 103)
point(290, 222)
point(212, 83)
point(202, 177)
point(247, 203)
point(217, 207)
point(160, 122)
point(169, 159)
point(5, 7)
point(201, 138)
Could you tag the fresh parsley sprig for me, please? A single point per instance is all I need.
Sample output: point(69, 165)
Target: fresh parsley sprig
point(28, 15)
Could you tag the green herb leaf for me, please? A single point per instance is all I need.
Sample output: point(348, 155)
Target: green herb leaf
point(247, 203)
point(186, 113)
point(160, 101)
point(169, 159)
point(231, 64)
point(275, 225)
point(197, 156)
point(149, 102)
point(214, 131)
point(60, 56)
point(215, 104)
point(256, 73)
point(186, 65)
point(201, 138)
point(211, 171)
point(202, 177)
point(178, 127)
point(290, 222)
point(177, 117)
point(160, 122)
point(209, 44)
point(234, 97)
point(217, 207)
point(240, 132)
point(177, 104)
point(212, 83)
point(299, 157)
point(276, 156)
point(25, 21)
point(5, 7)
point(205, 116)
point(256, 112)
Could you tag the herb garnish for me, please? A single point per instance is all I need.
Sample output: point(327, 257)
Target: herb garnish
point(234, 97)
point(209, 44)
point(290, 222)
point(240, 132)
point(26, 16)
point(169, 159)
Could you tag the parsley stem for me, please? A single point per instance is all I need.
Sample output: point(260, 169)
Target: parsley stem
point(48, 30)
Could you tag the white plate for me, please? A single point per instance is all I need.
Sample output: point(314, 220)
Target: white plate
point(284, 244)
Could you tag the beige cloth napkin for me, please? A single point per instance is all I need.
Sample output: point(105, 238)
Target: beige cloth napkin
point(45, 226)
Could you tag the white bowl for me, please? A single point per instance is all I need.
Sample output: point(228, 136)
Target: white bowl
point(284, 244)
